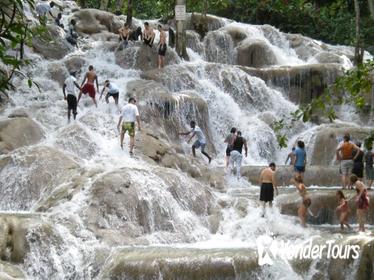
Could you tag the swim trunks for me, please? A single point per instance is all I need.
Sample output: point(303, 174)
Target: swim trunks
point(267, 192)
point(162, 50)
point(130, 127)
point(299, 169)
point(90, 89)
point(199, 144)
point(72, 103)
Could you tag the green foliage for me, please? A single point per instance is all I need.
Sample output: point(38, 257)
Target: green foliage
point(14, 33)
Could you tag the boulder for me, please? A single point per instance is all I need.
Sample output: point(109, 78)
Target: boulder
point(366, 267)
point(52, 44)
point(314, 175)
point(57, 72)
point(18, 132)
point(323, 206)
point(255, 53)
point(91, 21)
point(142, 57)
point(199, 23)
point(327, 138)
point(76, 140)
point(13, 237)
point(11, 271)
point(301, 84)
point(139, 202)
point(27, 175)
point(188, 263)
point(75, 63)
point(328, 57)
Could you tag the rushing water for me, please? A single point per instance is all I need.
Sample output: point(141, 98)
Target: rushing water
point(63, 245)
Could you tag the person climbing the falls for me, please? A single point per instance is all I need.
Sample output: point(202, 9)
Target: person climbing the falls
point(300, 159)
point(124, 34)
point(303, 209)
point(342, 211)
point(358, 163)
point(89, 87)
point(344, 154)
point(129, 115)
point(58, 20)
point(71, 97)
point(200, 142)
point(42, 9)
point(112, 91)
point(362, 201)
point(229, 140)
point(369, 168)
point(72, 36)
point(236, 156)
point(161, 48)
point(148, 35)
point(268, 184)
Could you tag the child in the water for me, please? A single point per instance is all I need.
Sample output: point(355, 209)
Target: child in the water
point(342, 210)
point(306, 201)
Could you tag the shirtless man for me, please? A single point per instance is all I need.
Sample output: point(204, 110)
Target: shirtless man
point(124, 34)
point(148, 35)
point(161, 48)
point(268, 183)
point(89, 87)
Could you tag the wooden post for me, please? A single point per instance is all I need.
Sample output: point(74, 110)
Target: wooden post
point(180, 17)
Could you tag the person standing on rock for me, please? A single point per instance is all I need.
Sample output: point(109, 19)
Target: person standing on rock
point(42, 9)
point(89, 87)
point(300, 159)
point(71, 97)
point(58, 20)
point(358, 163)
point(229, 140)
point(236, 156)
point(124, 34)
point(129, 115)
point(362, 202)
point(268, 184)
point(369, 169)
point(161, 48)
point(344, 153)
point(112, 91)
point(200, 142)
point(148, 35)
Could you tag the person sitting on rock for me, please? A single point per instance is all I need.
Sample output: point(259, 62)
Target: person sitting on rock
point(161, 48)
point(89, 87)
point(148, 35)
point(42, 9)
point(58, 20)
point(342, 210)
point(124, 34)
point(362, 201)
point(135, 34)
point(71, 97)
point(112, 91)
point(72, 36)
point(200, 142)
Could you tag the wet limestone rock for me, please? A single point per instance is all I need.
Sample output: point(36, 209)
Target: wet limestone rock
point(75, 63)
point(91, 21)
point(127, 204)
point(57, 72)
point(52, 44)
point(199, 22)
point(28, 174)
point(19, 113)
point(18, 132)
point(326, 139)
point(323, 206)
point(255, 54)
point(4, 99)
point(75, 140)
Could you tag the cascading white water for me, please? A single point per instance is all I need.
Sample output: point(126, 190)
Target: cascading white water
point(64, 246)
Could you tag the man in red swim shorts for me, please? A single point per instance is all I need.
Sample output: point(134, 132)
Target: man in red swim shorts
point(89, 87)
